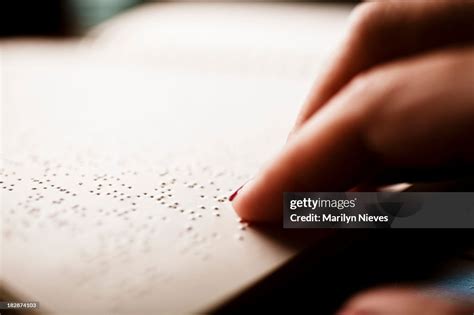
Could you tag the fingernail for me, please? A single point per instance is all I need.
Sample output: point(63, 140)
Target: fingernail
point(234, 194)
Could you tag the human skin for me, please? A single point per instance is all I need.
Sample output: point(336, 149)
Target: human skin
point(402, 300)
point(396, 101)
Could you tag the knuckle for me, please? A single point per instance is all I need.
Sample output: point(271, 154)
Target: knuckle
point(392, 98)
point(376, 83)
point(362, 82)
point(377, 89)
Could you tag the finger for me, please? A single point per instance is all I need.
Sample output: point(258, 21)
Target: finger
point(381, 31)
point(402, 300)
point(411, 113)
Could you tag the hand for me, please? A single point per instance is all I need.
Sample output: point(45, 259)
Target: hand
point(398, 96)
point(403, 300)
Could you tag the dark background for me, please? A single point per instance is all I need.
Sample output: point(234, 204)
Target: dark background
point(322, 278)
point(65, 17)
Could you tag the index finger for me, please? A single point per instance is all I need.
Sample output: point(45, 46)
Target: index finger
point(388, 118)
point(328, 142)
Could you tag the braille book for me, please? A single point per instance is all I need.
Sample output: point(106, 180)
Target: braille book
point(120, 149)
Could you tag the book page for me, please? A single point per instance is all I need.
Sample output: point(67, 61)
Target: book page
point(120, 149)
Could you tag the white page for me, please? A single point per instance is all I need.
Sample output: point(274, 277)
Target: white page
point(120, 150)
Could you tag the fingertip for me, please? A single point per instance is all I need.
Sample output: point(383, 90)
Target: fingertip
point(246, 202)
point(241, 203)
